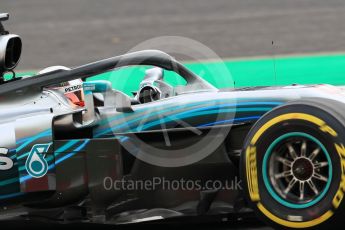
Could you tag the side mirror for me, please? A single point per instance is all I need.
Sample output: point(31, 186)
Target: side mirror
point(10, 48)
point(10, 51)
point(4, 16)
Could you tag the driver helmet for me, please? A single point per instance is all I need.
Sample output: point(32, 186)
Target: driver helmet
point(72, 90)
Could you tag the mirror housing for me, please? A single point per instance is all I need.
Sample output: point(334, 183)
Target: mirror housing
point(10, 48)
point(10, 51)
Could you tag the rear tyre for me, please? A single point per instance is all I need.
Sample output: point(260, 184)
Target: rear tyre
point(293, 165)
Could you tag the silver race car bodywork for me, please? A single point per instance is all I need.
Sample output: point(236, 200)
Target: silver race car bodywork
point(62, 137)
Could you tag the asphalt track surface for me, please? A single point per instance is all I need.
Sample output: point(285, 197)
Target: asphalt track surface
point(74, 32)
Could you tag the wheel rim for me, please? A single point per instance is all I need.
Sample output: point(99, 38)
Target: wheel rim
point(297, 170)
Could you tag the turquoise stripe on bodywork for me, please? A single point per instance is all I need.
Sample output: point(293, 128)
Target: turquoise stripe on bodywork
point(190, 113)
point(31, 139)
point(9, 181)
point(2, 197)
point(203, 113)
point(57, 152)
point(75, 151)
point(205, 104)
point(28, 177)
point(101, 132)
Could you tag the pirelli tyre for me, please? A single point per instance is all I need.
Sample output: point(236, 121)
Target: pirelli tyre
point(293, 165)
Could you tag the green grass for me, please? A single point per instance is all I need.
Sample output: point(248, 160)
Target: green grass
point(326, 69)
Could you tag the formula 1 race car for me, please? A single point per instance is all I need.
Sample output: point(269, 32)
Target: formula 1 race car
point(75, 149)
